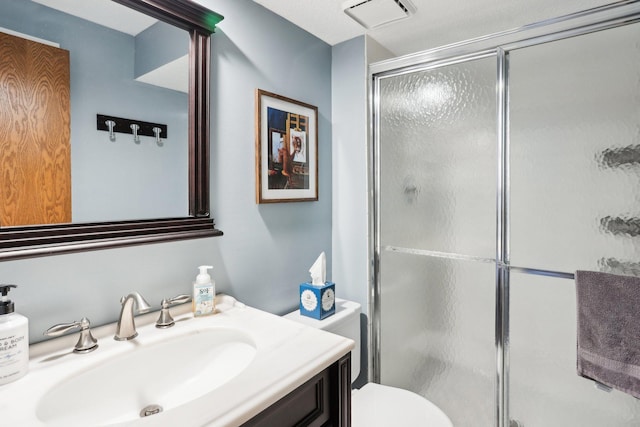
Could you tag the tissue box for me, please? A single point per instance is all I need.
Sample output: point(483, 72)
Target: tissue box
point(317, 302)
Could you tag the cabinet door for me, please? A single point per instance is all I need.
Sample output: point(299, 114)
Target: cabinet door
point(35, 152)
point(323, 401)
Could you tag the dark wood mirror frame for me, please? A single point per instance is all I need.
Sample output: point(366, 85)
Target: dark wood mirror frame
point(42, 240)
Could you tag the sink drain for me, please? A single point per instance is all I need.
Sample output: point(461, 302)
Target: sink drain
point(150, 410)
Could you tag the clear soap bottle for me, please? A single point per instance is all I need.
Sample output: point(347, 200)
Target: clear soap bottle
point(204, 293)
point(14, 340)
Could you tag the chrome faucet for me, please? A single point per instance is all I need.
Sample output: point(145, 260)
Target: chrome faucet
point(126, 328)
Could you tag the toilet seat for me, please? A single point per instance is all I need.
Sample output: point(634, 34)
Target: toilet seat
point(376, 405)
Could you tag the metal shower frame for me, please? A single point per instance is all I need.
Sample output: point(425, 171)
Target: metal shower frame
point(496, 45)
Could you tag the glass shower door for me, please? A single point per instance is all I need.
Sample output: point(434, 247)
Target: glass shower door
point(575, 156)
point(437, 175)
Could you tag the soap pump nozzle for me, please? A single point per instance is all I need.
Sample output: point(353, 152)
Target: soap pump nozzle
point(6, 305)
point(203, 277)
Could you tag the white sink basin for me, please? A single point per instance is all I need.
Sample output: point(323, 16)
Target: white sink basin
point(161, 374)
point(213, 371)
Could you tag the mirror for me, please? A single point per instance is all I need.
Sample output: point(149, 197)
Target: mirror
point(163, 175)
point(115, 61)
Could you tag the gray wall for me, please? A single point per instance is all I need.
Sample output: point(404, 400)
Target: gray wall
point(349, 162)
point(158, 45)
point(267, 249)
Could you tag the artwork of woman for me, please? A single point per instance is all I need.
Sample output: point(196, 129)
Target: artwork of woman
point(298, 149)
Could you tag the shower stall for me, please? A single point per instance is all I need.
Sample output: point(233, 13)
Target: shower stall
point(501, 166)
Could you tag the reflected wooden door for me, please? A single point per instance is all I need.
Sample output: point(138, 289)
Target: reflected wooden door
point(35, 153)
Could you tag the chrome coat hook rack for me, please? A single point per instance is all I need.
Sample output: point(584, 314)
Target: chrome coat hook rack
point(137, 128)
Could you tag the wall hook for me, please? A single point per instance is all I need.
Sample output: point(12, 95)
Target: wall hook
point(157, 131)
point(111, 124)
point(132, 126)
point(136, 137)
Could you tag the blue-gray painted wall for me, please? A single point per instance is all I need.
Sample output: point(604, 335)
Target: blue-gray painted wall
point(267, 249)
point(158, 45)
point(350, 227)
point(349, 162)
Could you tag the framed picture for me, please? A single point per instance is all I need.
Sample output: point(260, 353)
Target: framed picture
point(286, 149)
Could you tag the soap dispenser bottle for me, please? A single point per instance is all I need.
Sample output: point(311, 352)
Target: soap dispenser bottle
point(14, 340)
point(204, 293)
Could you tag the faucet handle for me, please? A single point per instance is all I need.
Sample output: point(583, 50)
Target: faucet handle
point(165, 320)
point(177, 300)
point(86, 342)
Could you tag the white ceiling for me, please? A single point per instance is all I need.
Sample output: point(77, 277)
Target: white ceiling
point(106, 13)
point(435, 23)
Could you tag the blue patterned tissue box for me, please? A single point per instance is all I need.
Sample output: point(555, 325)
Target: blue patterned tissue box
point(317, 301)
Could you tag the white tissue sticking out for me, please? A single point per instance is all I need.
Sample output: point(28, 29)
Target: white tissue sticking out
point(319, 270)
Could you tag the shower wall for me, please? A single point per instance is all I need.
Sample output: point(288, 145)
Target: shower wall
point(573, 174)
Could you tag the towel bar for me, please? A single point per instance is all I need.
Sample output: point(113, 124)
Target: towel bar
point(540, 272)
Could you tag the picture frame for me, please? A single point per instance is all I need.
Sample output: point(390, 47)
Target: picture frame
point(286, 149)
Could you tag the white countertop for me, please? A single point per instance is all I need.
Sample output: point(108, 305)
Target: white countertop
point(287, 355)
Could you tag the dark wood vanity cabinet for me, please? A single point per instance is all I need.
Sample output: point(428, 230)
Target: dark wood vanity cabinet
point(323, 401)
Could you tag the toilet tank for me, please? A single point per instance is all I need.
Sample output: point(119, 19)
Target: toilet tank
point(345, 322)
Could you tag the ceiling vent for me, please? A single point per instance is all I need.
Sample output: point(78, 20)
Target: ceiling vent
point(374, 13)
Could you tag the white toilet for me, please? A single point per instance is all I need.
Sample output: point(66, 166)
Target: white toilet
point(375, 405)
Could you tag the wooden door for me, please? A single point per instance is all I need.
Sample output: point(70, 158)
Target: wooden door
point(35, 147)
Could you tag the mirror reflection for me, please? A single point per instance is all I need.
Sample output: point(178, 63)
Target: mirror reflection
point(64, 63)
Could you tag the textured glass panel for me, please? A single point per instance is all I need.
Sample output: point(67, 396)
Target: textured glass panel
point(437, 335)
point(575, 153)
point(546, 390)
point(438, 159)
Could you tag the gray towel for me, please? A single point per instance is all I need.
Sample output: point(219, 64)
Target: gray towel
point(609, 329)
